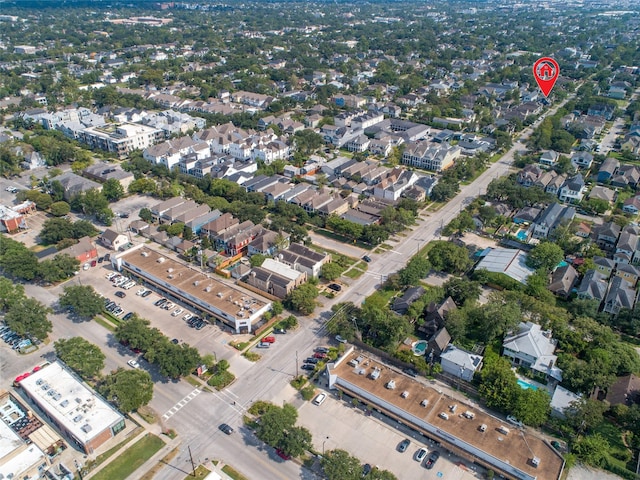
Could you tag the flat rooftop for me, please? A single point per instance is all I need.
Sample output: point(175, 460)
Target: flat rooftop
point(232, 301)
point(516, 448)
point(70, 402)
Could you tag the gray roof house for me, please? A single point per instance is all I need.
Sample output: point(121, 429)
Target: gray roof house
point(563, 279)
point(509, 261)
point(562, 401)
point(460, 363)
point(620, 295)
point(551, 218)
point(402, 304)
point(572, 189)
point(75, 184)
point(533, 348)
point(606, 235)
point(593, 286)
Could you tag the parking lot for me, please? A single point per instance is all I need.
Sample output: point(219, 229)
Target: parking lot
point(209, 339)
point(374, 439)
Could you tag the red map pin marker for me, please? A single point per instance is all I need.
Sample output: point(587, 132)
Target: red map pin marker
point(546, 71)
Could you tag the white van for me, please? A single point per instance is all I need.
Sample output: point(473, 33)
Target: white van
point(320, 399)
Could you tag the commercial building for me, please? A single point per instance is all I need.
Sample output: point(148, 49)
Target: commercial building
point(121, 139)
point(462, 429)
point(236, 308)
point(19, 459)
point(74, 408)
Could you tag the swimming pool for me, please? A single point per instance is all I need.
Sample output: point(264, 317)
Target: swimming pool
point(522, 235)
point(562, 264)
point(419, 347)
point(525, 385)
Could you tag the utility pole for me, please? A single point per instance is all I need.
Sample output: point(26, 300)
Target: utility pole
point(193, 465)
point(296, 364)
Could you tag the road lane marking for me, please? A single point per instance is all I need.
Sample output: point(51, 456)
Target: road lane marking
point(176, 408)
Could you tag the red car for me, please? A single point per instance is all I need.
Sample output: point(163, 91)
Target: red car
point(320, 355)
point(282, 455)
point(269, 339)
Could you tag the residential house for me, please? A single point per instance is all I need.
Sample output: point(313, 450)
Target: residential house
point(161, 208)
point(113, 240)
point(435, 316)
point(549, 158)
point(219, 225)
point(602, 110)
point(620, 295)
point(402, 304)
point(436, 344)
point(275, 278)
point(608, 169)
point(84, 250)
point(551, 182)
point(629, 273)
point(554, 216)
point(74, 185)
point(563, 279)
point(511, 262)
point(102, 172)
point(626, 247)
point(529, 175)
point(267, 243)
point(593, 286)
point(572, 189)
point(563, 401)
point(304, 259)
point(632, 205)
point(625, 391)
point(430, 157)
point(626, 176)
point(604, 266)
point(606, 235)
point(531, 347)
point(581, 160)
point(526, 215)
point(460, 363)
point(602, 193)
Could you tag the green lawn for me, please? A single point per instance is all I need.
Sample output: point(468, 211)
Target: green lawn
point(233, 473)
point(353, 273)
point(131, 459)
point(201, 472)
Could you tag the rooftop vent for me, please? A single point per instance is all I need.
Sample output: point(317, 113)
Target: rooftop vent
point(196, 283)
point(86, 428)
point(535, 461)
point(160, 259)
point(424, 403)
point(145, 254)
point(391, 384)
point(405, 394)
point(77, 418)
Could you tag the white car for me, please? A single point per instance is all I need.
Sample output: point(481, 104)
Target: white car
point(514, 421)
point(420, 454)
point(129, 285)
point(341, 339)
point(85, 266)
point(168, 306)
point(320, 399)
point(133, 364)
point(177, 312)
point(187, 316)
point(141, 291)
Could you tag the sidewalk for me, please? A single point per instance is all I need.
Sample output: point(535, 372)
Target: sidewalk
point(153, 461)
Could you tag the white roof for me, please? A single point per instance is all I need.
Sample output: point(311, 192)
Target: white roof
point(468, 360)
point(562, 399)
point(281, 269)
point(70, 402)
point(508, 261)
point(21, 462)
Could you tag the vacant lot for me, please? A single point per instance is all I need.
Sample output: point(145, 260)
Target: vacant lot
point(131, 459)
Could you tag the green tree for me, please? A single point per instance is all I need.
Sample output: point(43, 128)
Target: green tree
point(60, 209)
point(339, 465)
point(296, 441)
point(532, 407)
point(376, 474)
point(498, 385)
point(56, 229)
point(10, 293)
point(127, 389)
point(146, 215)
point(275, 423)
point(303, 299)
point(257, 260)
point(331, 271)
point(545, 256)
point(448, 257)
point(112, 190)
point(462, 290)
point(17, 260)
point(586, 414)
point(592, 449)
point(85, 358)
point(29, 318)
point(416, 269)
point(83, 299)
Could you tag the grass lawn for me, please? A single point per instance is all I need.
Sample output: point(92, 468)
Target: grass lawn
point(201, 472)
point(353, 273)
point(131, 459)
point(105, 323)
point(233, 473)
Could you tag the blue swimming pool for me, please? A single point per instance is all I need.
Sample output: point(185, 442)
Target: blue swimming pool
point(525, 385)
point(419, 347)
point(522, 235)
point(562, 264)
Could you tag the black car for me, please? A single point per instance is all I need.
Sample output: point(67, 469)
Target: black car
point(321, 350)
point(335, 287)
point(366, 258)
point(127, 316)
point(146, 293)
point(228, 429)
point(312, 360)
point(308, 366)
point(403, 445)
point(279, 330)
point(431, 461)
point(410, 372)
point(101, 259)
point(107, 256)
point(120, 294)
point(160, 302)
point(366, 469)
point(175, 341)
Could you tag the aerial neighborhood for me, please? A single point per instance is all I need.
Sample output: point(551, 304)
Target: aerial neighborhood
point(335, 241)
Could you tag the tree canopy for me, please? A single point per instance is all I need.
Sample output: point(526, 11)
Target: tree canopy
point(85, 358)
point(82, 299)
point(127, 389)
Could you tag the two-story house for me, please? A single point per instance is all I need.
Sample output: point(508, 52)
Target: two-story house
point(621, 294)
point(531, 347)
point(572, 190)
point(554, 216)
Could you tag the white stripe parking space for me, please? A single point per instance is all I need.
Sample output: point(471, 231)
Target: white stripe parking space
point(176, 408)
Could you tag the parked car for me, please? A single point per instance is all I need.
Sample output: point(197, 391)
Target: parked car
point(146, 294)
point(176, 312)
point(168, 305)
point(160, 302)
point(320, 398)
point(85, 266)
point(141, 291)
point(322, 349)
point(431, 461)
point(366, 469)
point(420, 454)
point(311, 360)
point(341, 339)
point(280, 331)
point(187, 316)
point(335, 287)
point(128, 316)
point(133, 364)
point(282, 455)
point(366, 258)
point(403, 445)
point(228, 429)
point(514, 421)
point(308, 366)
point(319, 355)
point(263, 345)
point(120, 294)
point(101, 259)
point(175, 341)
point(269, 339)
